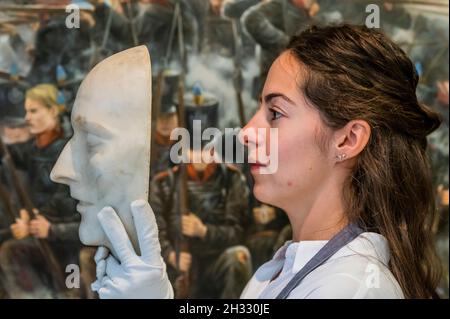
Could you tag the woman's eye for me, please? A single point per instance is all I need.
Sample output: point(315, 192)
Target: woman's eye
point(275, 115)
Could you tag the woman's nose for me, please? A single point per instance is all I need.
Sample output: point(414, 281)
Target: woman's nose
point(249, 134)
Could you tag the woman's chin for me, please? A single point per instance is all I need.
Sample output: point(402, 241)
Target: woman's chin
point(262, 194)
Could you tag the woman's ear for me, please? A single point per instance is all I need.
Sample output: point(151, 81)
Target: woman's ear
point(351, 139)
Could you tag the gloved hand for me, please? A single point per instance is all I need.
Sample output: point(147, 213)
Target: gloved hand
point(131, 276)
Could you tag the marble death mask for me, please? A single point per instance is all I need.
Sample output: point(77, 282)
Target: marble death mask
point(107, 160)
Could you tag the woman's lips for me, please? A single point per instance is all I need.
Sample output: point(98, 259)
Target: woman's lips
point(254, 167)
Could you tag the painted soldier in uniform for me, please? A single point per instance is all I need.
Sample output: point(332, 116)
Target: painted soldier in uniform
point(153, 21)
point(109, 29)
point(56, 218)
point(272, 23)
point(166, 121)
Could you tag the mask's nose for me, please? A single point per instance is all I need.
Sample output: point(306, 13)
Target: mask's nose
point(63, 171)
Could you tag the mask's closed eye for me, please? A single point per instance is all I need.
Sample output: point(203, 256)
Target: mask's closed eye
point(93, 142)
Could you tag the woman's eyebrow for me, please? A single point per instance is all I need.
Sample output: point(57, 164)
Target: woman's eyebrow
point(269, 97)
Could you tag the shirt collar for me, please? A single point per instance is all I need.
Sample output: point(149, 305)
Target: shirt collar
point(296, 254)
point(281, 252)
point(302, 252)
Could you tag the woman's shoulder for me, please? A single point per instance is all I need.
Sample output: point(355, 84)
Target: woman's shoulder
point(358, 270)
point(348, 285)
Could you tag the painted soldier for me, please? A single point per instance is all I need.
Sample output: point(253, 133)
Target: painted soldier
point(56, 219)
point(272, 23)
point(166, 121)
point(153, 24)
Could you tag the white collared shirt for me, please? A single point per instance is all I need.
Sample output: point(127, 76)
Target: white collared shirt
point(358, 270)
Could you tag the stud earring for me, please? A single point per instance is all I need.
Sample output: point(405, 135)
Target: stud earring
point(341, 157)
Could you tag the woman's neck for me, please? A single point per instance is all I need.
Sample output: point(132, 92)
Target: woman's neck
point(319, 217)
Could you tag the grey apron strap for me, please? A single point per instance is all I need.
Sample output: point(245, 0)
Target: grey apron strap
point(341, 239)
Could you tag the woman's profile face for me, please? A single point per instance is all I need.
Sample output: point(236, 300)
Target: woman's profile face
point(302, 165)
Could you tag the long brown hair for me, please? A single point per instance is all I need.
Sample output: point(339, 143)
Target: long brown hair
point(358, 73)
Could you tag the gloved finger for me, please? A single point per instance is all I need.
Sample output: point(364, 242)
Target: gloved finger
point(147, 232)
point(99, 283)
point(108, 290)
point(101, 253)
point(96, 285)
point(100, 270)
point(105, 293)
point(115, 231)
point(113, 268)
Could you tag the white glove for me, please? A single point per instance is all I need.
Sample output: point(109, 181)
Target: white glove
point(135, 277)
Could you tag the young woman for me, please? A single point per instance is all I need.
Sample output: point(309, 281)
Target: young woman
point(353, 178)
